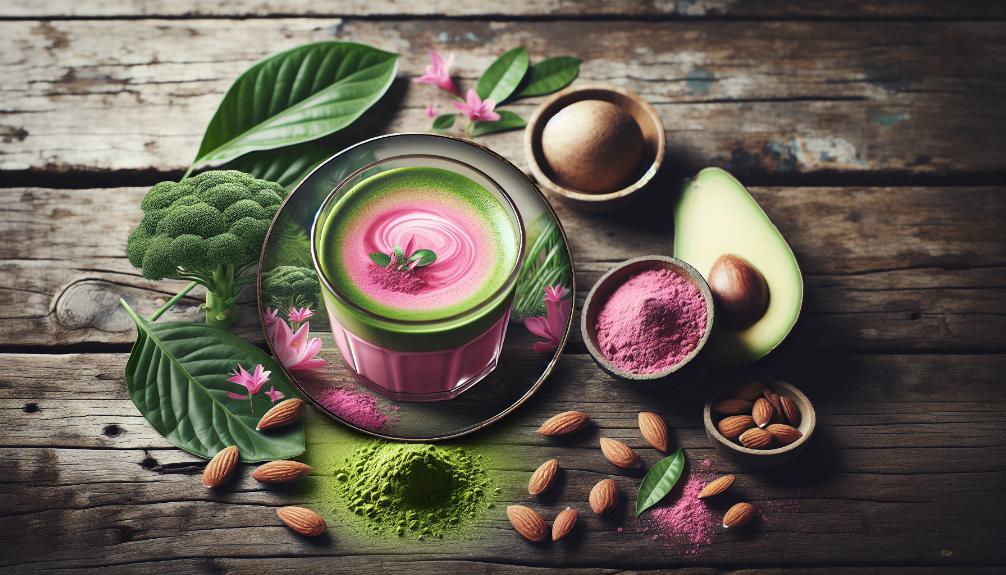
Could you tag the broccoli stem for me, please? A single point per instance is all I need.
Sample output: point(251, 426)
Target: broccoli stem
point(220, 297)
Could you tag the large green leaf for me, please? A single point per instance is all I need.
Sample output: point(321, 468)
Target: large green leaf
point(549, 76)
point(296, 96)
point(503, 76)
point(286, 166)
point(508, 121)
point(177, 377)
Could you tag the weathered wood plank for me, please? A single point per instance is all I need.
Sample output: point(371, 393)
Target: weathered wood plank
point(887, 269)
point(762, 98)
point(524, 9)
point(898, 456)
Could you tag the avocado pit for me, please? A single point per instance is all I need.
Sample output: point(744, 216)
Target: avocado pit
point(739, 290)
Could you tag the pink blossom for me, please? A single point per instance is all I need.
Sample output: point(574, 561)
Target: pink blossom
point(253, 382)
point(271, 317)
point(298, 315)
point(477, 109)
point(297, 351)
point(274, 394)
point(552, 326)
point(439, 73)
point(431, 110)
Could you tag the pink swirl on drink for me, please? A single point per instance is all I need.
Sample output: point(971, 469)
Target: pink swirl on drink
point(458, 236)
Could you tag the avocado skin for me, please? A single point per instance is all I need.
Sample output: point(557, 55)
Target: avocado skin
point(714, 216)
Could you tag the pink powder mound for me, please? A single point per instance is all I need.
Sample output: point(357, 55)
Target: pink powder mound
point(651, 322)
point(688, 521)
point(358, 408)
point(407, 282)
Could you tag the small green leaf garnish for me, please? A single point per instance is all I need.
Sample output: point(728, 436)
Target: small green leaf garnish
point(444, 122)
point(659, 481)
point(422, 258)
point(381, 259)
point(400, 260)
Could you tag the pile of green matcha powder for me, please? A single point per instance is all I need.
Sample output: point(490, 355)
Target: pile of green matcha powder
point(415, 489)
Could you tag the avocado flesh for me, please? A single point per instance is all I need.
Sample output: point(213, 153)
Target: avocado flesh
point(716, 215)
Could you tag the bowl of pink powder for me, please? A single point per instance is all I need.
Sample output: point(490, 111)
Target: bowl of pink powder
point(647, 318)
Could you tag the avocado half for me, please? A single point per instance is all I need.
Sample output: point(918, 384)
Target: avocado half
point(716, 215)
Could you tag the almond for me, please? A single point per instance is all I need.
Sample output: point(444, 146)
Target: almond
point(773, 398)
point(738, 515)
point(717, 486)
point(302, 521)
point(784, 434)
point(654, 430)
point(564, 523)
point(749, 391)
point(756, 438)
point(527, 523)
point(283, 413)
point(221, 467)
point(732, 427)
point(762, 412)
point(790, 410)
point(619, 454)
point(732, 406)
point(280, 471)
point(604, 496)
point(543, 477)
point(564, 423)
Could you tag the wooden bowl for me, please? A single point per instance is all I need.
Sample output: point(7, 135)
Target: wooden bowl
point(762, 458)
point(615, 277)
point(649, 122)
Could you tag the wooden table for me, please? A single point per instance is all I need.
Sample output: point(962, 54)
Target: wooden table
point(872, 132)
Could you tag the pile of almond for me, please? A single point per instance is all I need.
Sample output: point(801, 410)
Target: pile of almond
point(221, 468)
point(603, 496)
point(758, 418)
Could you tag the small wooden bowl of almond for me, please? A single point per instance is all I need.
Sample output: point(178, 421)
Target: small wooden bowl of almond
point(760, 422)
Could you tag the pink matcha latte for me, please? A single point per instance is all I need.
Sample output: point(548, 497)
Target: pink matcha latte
point(419, 266)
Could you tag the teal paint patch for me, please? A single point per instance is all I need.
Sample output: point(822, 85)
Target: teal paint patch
point(699, 81)
point(783, 155)
point(888, 119)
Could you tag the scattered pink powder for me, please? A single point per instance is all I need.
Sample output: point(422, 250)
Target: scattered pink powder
point(651, 322)
point(620, 530)
point(707, 464)
point(358, 408)
point(397, 281)
point(688, 521)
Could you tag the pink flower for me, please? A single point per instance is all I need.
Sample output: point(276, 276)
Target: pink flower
point(439, 73)
point(298, 315)
point(431, 111)
point(552, 326)
point(274, 394)
point(253, 382)
point(297, 351)
point(271, 317)
point(477, 109)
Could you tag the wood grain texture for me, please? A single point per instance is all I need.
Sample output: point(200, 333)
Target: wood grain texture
point(887, 269)
point(795, 99)
point(875, 477)
point(524, 9)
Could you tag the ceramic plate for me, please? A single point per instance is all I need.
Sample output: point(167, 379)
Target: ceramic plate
point(521, 370)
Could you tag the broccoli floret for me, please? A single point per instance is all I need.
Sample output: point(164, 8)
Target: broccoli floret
point(208, 229)
point(287, 287)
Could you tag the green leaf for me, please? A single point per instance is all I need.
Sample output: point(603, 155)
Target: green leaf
point(444, 122)
point(380, 259)
point(546, 263)
point(177, 377)
point(399, 257)
point(508, 121)
point(422, 258)
point(286, 166)
point(550, 76)
point(659, 481)
point(503, 76)
point(296, 96)
point(288, 245)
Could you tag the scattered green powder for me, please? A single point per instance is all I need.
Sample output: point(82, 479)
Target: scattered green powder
point(415, 490)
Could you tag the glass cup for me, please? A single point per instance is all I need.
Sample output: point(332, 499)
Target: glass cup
point(428, 360)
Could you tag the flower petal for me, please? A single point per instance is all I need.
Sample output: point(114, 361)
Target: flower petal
point(537, 325)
